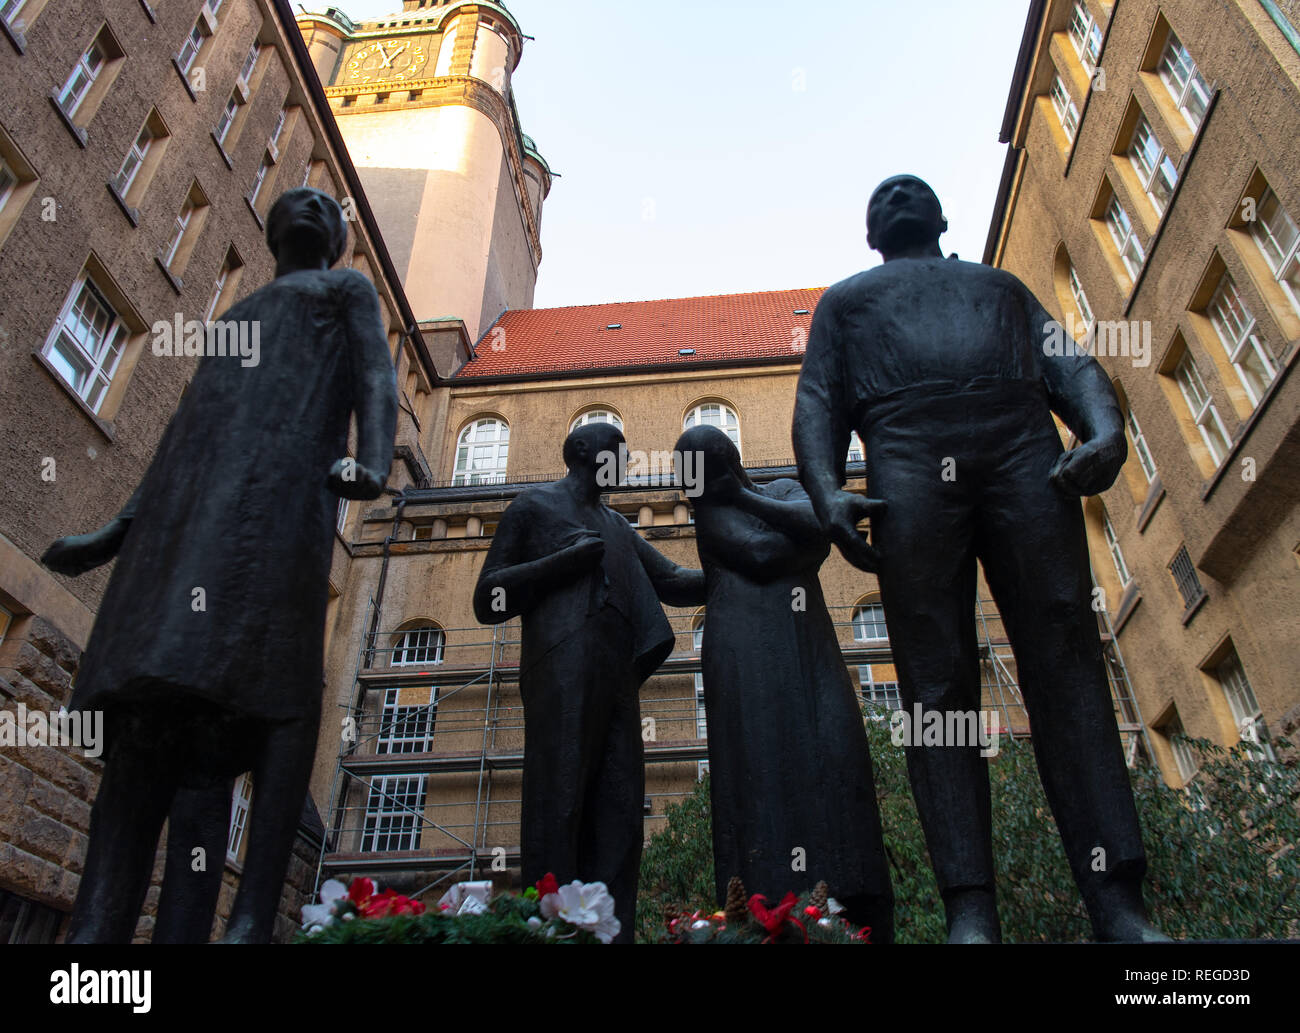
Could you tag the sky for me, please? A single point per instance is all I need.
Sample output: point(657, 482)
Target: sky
point(718, 147)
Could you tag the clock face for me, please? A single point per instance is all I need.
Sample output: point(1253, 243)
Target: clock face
point(390, 60)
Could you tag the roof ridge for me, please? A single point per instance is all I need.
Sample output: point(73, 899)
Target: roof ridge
point(660, 301)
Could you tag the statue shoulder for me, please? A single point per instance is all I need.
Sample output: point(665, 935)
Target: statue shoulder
point(350, 283)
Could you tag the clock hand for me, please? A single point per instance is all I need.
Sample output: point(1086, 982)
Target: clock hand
point(383, 56)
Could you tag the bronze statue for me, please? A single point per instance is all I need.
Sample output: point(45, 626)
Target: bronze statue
point(588, 588)
point(207, 653)
point(940, 366)
point(793, 793)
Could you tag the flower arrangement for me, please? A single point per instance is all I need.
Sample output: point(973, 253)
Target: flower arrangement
point(467, 913)
point(813, 918)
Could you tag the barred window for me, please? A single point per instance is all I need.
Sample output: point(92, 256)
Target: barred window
point(1189, 585)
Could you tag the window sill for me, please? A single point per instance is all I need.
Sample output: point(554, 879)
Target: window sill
point(230, 164)
point(1154, 494)
point(133, 214)
point(149, 12)
point(77, 132)
point(16, 39)
point(1194, 606)
point(252, 208)
point(105, 427)
point(184, 79)
point(175, 281)
point(1127, 604)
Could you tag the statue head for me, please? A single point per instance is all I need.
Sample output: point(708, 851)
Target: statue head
point(596, 447)
point(307, 223)
point(714, 457)
point(904, 214)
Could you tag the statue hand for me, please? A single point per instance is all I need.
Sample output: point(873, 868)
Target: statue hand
point(588, 550)
point(78, 553)
point(841, 526)
point(1090, 468)
point(351, 480)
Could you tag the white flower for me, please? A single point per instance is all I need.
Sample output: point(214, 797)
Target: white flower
point(703, 923)
point(587, 906)
point(317, 916)
point(534, 922)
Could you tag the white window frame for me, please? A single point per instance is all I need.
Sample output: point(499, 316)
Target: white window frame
point(419, 647)
point(1080, 297)
point(1085, 34)
point(1245, 708)
point(1184, 758)
point(1067, 112)
point(1116, 553)
point(394, 813)
point(1184, 81)
point(82, 78)
point(190, 48)
point(489, 467)
point(250, 62)
point(218, 288)
point(1152, 165)
point(241, 802)
point(260, 179)
point(8, 182)
point(279, 126)
point(701, 713)
point(1237, 330)
point(9, 11)
point(1202, 408)
point(1125, 238)
point(1282, 256)
point(227, 118)
point(857, 452)
point(879, 697)
point(406, 727)
point(178, 230)
point(101, 363)
point(1140, 448)
point(715, 414)
point(598, 415)
point(861, 622)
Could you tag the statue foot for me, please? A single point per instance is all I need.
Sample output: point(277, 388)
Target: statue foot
point(972, 917)
point(1119, 916)
point(243, 931)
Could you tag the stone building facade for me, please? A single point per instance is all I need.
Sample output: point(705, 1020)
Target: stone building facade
point(1152, 193)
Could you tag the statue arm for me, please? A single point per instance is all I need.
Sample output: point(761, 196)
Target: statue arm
point(78, 553)
point(759, 556)
point(374, 393)
point(676, 586)
point(511, 584)
point(793, 515)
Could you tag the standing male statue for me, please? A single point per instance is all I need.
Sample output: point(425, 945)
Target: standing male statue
point(940, 366)
point(588, 588)
point(207, 653)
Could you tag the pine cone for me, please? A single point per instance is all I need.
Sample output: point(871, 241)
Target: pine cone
point(736, 910)
point(819, 895)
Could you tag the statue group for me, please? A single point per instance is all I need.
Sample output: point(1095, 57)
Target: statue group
point(938, 365)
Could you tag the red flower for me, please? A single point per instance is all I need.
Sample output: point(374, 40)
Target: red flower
point(360, 891)
point(864, 934)
point(774, 920)
point(389, 903)
point(547, 884)
point(813, 911)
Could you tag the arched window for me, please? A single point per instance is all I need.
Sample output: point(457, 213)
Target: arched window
point(422, 644)
point(857, 453)
point(714, 414)
point(597, 416)
point(701, 718)
point(481, 452)
point(869, 621)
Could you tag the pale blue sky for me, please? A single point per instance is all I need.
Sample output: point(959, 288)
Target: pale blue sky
point(691, 162)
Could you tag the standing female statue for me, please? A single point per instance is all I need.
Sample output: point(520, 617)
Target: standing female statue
point(792, 788)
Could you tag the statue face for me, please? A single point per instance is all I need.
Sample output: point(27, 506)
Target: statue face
point(903, 212)
point(309, 222)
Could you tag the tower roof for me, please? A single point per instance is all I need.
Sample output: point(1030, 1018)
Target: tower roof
point(678, 333)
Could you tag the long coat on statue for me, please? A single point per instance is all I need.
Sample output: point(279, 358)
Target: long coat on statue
point(220, 588)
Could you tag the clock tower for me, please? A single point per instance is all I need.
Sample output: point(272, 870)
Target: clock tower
point(425, 103)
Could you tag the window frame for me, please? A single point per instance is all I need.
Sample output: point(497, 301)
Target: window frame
point(1204, 412)
point(117, 330)
point(465, 470)
point(1226, 306)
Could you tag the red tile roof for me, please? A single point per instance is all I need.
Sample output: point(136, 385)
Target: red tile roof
point(725, 328)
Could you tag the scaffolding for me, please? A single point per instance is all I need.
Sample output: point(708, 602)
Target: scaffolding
point(427, 787)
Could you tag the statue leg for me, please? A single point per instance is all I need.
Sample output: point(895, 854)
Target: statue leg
point(125, 823)
point(614, 825)
point(198, 818)
point(280, 779)
point(927, 585)
point(1035, 555)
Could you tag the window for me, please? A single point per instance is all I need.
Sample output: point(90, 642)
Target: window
point(1249, 353)
point(279, 127)
point(250, 62)
point(1246, 713)
point(83, 76)
point(422, 645)
point(701, 715)
point(1085, 34)
point(1140, 448)
point(1186, 85)
point(1185, 577)
point(857, 453)
point(1080, 298)
point(227, 118)
point(394, 813)
point(879, 695)
point(86, 343)
point(1184, 758)
point(8, 182)
point(6, 618)
point(1066, 110)
point(241, 801)
point(482, 451)
point(714, 414)
point(260, 179)
point(26, 921)
point(1278, 238)
point(223, 289)
point(1202, 409)
point(175, 252)
point(1130, 249)
point(193, 44)
point(9, 10)
point(1155, 169)
point(1116, 554)
point(869, 623)
point(597, 416)
point(407, 727)
point(133, 161)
